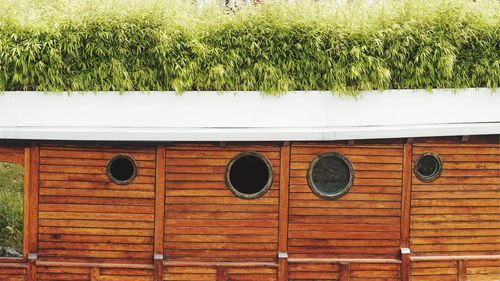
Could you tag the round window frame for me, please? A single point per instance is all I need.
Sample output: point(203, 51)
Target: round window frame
point(242, 195)
point(313, 186)
point(116, 157)
point(433, 177)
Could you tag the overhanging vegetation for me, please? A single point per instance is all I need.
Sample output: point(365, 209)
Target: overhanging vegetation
point(164, 45)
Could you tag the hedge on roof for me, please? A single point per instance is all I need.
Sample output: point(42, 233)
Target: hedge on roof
point(59, 45)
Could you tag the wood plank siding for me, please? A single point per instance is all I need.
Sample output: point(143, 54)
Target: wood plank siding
point(365, 223)
point(204, 221)
point(178, 221)
point(458, 213)
point(84, 217)
point(13, 272)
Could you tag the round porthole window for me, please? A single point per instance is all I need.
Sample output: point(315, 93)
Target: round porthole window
point(428, 166)
point(122, 169)
point(249, 175)
point(330, 175)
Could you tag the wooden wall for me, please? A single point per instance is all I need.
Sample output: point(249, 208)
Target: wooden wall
point(178, 221)
point(458, 214)
point(337, 271)
point(220, 272)
point(204, 221)
point(12, 272)
point(84, 217)
point(364, 223)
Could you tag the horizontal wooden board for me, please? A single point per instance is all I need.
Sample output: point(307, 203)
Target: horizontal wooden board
point(434, 271)
point(331, 271)
point(211, 273)
point(13, 272)
point(480, 270)
point(13, 155)
point(62, 273)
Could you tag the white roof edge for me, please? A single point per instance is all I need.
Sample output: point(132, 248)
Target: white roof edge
point(246, 134)
point(248, 116)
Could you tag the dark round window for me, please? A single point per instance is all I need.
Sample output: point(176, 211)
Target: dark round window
point(428, 167)
point(330, 175)
point(122, 169)
point(249, 175)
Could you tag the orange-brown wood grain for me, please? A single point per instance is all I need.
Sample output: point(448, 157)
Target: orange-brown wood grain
point(159, 211)
point(283, 212)
point(81, 226)
point(204, 221)
point(365, 222)
point(84, 217)
point(13, 271)
point(457, 214)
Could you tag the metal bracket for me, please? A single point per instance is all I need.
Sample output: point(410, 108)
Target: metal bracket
point(282, 255)
point(32, 256)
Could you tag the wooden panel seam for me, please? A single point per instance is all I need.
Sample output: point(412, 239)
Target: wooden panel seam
point(221, 274)
point(220, 264)
point(32, 254)
point(406, 211)
point(462, 270)
point(159, 211)
point(345, 271)
point(95, 274)
point(97, 265)
point(454, 258)
point(347, 260)
point(283, 211)
point(26, 206)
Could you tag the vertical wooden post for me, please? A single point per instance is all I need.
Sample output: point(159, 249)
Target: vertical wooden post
point(345, 271)
point(158, 268)
point(221, 274)
point(283, 212)
point(462, 270)
point(406, 212)
point(32, 229)
point(282, 266)
point(31, 272)
point(26, 201)
point(95, 274)
point(405, 264)
point(159, 212)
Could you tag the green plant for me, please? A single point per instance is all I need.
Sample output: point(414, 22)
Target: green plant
point(11, 207)
point(103, 45)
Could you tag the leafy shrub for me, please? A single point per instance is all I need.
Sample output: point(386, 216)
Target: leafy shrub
point(59, 45)
point(11, 208)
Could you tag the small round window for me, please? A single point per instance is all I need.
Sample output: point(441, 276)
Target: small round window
point(249, 175)
point(330, 175)
point(428, 167)
point(122, 169)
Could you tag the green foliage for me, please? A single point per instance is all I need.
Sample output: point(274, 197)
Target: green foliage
point(59, 45)
point(11, 207)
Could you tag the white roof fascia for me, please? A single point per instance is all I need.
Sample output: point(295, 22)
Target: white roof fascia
point(247, 116)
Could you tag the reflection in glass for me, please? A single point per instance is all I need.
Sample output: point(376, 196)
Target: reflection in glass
point(330, 175)
point(11, 210)
point(428, 166)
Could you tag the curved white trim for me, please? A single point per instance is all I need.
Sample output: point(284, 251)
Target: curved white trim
point(246, 134)
point(247, 116)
